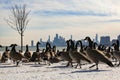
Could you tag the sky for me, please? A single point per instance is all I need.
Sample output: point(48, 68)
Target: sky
point(79, 18)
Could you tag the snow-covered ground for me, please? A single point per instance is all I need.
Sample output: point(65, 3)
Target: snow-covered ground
point(57, 71)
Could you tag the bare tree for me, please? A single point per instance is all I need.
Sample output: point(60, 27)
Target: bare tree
point(18, 20)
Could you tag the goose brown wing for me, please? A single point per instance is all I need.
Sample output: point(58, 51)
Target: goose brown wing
point(101, 57)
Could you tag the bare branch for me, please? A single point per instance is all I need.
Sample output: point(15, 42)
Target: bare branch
point(10, 24)
point(18, 21)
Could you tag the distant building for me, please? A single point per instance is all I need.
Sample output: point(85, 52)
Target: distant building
point(96, 39)
point(71, 37)
point(105, 40)
point(32, 43)
point(59, 41)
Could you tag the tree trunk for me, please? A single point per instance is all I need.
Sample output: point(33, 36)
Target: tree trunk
point(22, 41)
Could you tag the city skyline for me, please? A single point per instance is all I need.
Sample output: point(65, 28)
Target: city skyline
point(61, 41)
point(79, 18)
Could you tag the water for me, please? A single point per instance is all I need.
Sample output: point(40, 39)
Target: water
point(31, 48)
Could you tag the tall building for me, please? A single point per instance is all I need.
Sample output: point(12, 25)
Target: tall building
point(71, 37)
point(32, 43)
point(105, 40)
point(59, 41)
point(96, 39)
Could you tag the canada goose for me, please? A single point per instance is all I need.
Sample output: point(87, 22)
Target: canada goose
point(5, 55)
point(54, 48)
point(14, 55)
point(76, 56)
point(64, 55)
point(96, 55)
point(36, 55)
point(116, 45)
point(101, 48)
point(27, 53)
point(48, 51)
point(43, 56)
point(48, 46)
point(116, 52)
point(51, 54)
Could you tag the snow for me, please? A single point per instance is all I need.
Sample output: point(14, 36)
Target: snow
point(57, 71)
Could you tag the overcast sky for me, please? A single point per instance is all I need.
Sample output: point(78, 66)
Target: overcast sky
point(79, 18)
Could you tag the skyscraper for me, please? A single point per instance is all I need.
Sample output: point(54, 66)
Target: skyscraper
point(105, 40)
point(96, 39)
point(32, 43)
point(71, 37)
point(59, 41)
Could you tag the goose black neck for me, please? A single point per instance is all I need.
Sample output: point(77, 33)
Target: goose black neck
point(27, 49)
point(118, 45)
point(76, 46)
point(94, 45)
point(90, 44)
point(81, 45)
point(37, 46)
point(109, 49)
point(79, 42)
point(67, 42)
point(72, 45)
point(6, 48)
point(13, 49)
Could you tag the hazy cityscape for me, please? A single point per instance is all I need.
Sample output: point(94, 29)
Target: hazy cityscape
point(61, 41)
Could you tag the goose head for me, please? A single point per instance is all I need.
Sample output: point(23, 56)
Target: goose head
point(38, 43)
point(114, 44)
point(94, 45)
point(26, 45)
point(13, 45)
point(67, 42)
point(1, 46)
point(6, 49)
point(87, 38)
point(27, 48)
